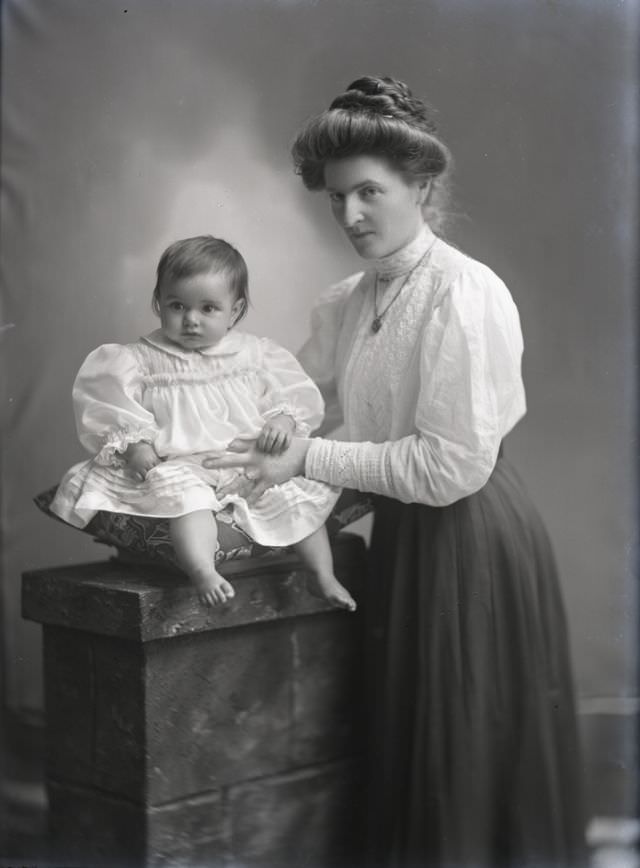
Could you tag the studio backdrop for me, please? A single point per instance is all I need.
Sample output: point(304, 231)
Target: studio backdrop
point(127, 124)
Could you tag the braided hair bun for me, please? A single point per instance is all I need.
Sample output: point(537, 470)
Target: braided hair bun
point(389, 98)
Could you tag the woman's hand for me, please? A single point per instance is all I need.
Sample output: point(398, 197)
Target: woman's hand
point(259, 471)
point(140, 458)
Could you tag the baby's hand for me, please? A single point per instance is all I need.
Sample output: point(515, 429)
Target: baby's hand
point(276, 434)
point(140, 458)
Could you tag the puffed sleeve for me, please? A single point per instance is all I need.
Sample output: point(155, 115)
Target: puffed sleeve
point(318, 355)
point(289, 390)
point(471, 395)
point(107, 403)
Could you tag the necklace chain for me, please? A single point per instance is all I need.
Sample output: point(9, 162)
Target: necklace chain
point(376, 325)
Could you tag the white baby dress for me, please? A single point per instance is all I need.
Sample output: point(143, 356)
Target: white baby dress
point(190, 405)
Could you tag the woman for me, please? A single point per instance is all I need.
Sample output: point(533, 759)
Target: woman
point(473, 748)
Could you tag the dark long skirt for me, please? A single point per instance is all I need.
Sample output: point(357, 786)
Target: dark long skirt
point(474, 757)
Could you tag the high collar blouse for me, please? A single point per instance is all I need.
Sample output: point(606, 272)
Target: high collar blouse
point(427, 399)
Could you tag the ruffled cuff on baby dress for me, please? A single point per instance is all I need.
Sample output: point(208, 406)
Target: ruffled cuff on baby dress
point(117, 440)
point(302, 429)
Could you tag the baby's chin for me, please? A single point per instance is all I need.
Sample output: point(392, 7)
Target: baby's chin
point(191, 343)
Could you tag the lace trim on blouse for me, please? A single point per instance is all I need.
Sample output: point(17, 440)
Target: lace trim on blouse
point(364, 466)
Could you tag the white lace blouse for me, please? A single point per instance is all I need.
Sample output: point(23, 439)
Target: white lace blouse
point(427, 399)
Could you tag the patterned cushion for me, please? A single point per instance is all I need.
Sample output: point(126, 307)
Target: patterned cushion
point(141, 539)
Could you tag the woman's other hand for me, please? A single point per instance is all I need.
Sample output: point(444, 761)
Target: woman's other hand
point(276, 434)
point(258, 471)
point(140, 458)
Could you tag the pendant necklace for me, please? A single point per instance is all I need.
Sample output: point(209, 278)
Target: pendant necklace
point(376, 325)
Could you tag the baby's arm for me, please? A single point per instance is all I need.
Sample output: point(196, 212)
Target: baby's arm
point(140, 458)
point(107, 401)
point(291, 403)
point(276, 434)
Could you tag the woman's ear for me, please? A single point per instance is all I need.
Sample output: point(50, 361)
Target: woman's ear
point(424, 188)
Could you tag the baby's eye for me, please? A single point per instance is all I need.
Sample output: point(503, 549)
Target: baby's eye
point(208, 308)
point(175, 305)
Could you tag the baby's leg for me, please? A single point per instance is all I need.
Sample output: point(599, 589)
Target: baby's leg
point(315, 551)
point(194, 538)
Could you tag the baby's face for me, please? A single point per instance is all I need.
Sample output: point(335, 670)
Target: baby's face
point(196, 312)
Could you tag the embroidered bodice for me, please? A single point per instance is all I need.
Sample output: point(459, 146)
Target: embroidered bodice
point(426, 400)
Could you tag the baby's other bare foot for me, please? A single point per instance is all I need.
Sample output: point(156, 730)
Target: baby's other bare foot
point(213, 589)
point(330, 589)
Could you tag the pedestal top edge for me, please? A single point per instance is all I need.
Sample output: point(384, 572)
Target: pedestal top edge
point(122, 576)
point(143, 604)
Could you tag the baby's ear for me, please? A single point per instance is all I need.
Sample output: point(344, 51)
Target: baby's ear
point(238, 309)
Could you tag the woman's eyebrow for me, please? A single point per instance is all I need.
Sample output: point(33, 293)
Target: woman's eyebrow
point(367, 182)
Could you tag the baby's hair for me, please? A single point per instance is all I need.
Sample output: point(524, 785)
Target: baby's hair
point(377, 116)
point(201, 255)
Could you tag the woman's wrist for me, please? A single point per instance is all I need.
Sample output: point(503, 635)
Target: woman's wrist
point(310, 462)
point(303, 444)
point(338, 462)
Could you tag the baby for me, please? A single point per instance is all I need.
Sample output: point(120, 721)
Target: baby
point(151, 411)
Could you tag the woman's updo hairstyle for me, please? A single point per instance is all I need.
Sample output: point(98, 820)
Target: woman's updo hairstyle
point(377, 117)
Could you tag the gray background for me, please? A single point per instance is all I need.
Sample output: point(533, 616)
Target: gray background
point(129, 124)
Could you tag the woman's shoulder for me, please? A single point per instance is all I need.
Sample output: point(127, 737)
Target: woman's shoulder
point(453, 262)
point(338, 293)
point(328, 309)
point(458, 272)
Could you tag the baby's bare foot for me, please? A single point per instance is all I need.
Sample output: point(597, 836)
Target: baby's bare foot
point(213, 588)
point(330, 589)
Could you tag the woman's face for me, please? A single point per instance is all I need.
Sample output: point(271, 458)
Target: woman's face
point(375, 205)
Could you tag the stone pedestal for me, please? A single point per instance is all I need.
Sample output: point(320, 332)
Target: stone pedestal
point(180, 735)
